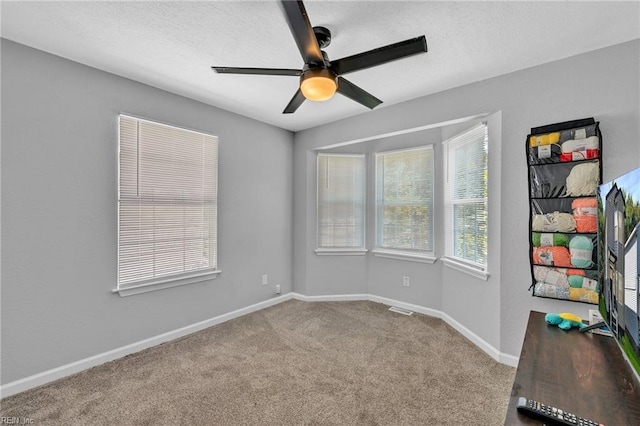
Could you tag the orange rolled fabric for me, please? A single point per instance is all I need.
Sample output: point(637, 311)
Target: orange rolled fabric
point(585, 213)
point(575, 272)
point(552, 256)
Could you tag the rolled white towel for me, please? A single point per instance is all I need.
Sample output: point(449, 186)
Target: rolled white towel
point(553, 222)
point(583, 179)
point(581, 149)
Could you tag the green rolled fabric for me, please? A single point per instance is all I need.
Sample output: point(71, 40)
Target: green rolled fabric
point(544, 240)
point(578, 281)
point(575, 281)
point(581, 249)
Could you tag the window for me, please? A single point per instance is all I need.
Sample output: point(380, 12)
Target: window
point(404, 201)
point(618, 225)
point(466, 219)
point(341, 203)
point(167, 205)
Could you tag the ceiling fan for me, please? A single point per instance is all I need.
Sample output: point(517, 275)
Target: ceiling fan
point(320, 78)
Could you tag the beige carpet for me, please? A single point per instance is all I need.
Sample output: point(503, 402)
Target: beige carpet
point(297, 363)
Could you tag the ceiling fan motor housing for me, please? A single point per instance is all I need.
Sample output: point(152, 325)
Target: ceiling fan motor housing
point(323, 35)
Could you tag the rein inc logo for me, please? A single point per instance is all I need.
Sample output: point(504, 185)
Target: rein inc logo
point(16, 420)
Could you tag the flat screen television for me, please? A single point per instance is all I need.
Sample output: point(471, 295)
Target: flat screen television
point(619, 251)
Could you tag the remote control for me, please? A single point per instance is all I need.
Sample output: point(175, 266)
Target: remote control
point(552, 414)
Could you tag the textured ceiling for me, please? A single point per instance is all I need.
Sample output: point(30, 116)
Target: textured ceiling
point(172, 45)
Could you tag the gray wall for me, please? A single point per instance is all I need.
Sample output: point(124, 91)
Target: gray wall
point(603, 84)
point(59, 203)
point(337, 274)
point(59, 213)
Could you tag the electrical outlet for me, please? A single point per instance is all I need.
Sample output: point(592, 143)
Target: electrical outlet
point(405, 281)
point(278, 289)
point(265, 279)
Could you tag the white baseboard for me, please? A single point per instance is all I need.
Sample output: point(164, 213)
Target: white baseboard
point(508, 359)
point(93, 361)
point(57, 373)
point(409, 306)
point(331, 297)
point(502, 358)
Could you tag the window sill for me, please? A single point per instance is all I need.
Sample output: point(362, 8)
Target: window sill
point(161, 284)
point(466, 268)
point(403, 255)
point(341, 252)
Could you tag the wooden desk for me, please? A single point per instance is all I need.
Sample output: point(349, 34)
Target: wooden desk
point(581, 373)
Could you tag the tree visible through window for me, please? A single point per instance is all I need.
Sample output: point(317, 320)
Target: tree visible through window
point(404, 200)
point(466, 196)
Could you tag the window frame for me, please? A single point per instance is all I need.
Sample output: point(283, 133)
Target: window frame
point(174, 279)
point(359, 250)
point(423, 256)
point(450, 145)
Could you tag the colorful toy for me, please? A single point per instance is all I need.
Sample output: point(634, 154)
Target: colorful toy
point(564, 320)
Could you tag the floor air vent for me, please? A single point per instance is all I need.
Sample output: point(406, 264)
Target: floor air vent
point(400, 310)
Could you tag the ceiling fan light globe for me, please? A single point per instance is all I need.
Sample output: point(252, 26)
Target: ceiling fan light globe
point(318, 85)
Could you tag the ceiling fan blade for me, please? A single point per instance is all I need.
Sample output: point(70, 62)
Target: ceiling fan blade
point(380, 55)
point(294, 103)
point(259, 71)
point(303, 34)
point(355, 93)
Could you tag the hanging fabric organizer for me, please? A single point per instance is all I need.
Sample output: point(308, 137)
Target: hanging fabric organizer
point(565, 169)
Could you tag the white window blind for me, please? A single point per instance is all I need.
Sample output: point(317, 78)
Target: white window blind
point(466, 190)
point(167, 202)
point(404, 200)
point(341, 201)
